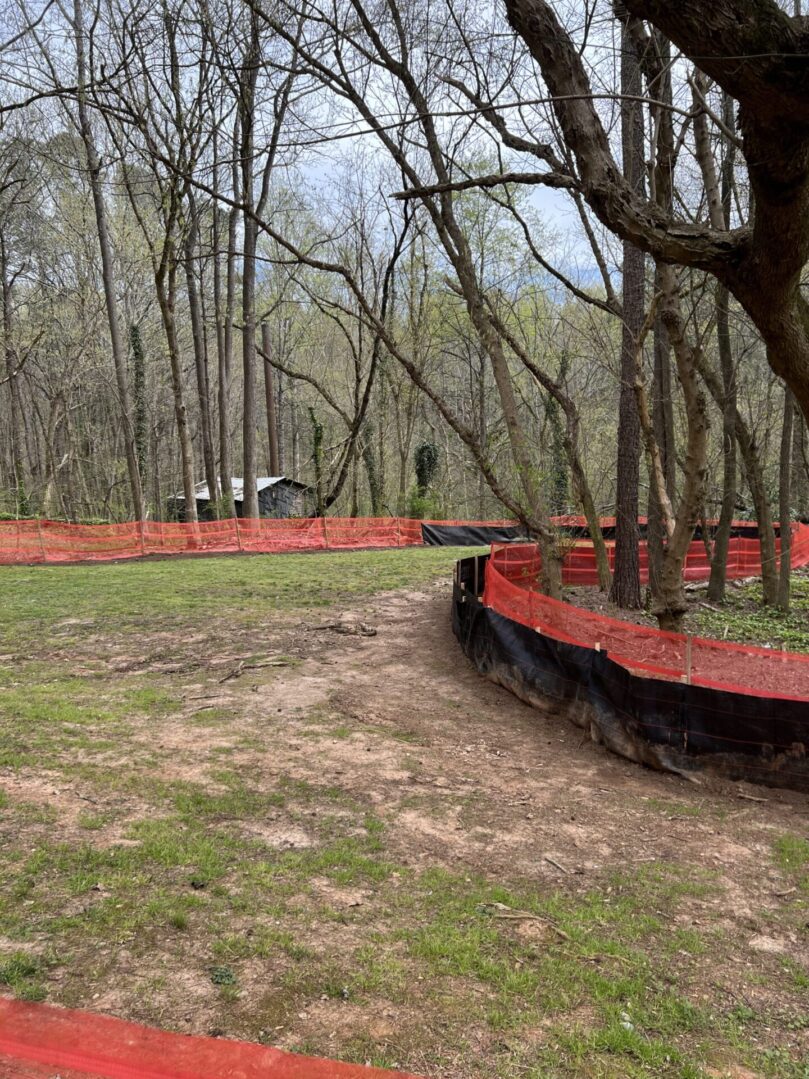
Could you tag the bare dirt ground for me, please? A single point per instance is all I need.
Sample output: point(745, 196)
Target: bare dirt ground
point(387, 779)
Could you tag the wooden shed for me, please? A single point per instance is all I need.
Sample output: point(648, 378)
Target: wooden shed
point(278, 496)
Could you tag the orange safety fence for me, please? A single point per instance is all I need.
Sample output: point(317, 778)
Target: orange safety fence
point(40, 1041)
point(743, 560)
point(57, 542)
point(511, 589)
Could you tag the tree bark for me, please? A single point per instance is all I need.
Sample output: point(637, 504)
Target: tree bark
point(626, 576)
point(800, 468)
point(671, 605)
point(663, 425)
point(718, 578)
point(248, 79)
point(19, 472)
point(200, 355)
point(139, 394)
point(165, 282)
point(107, 266)
point(755, 481)
point(785, 501)
point(269, 398)
point(224, 307)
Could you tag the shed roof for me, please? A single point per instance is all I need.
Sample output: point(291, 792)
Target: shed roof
point(237, 484)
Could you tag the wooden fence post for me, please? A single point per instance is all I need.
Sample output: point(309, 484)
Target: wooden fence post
point(688, 660)
point(41, 542)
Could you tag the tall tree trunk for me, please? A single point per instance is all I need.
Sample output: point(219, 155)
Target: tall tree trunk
point(139, 394)
point(249, 76)
point(200, 356)
point(721, 217)
point(785, 500)
point(295, 436)
point(107, 267)
point(626, 577)
point(763, 512)
point(317, 461)
point(224, 336)
point(755, 481)
point(663, 424)
point(800, 467)
point(281, 426)
point(19, 472)
point(165, 281)
point(269, 400)
point(671, 605)
point(372, 470)
point(721, 546)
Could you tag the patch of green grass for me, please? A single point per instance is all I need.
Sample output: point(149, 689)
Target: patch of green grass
point(48, 715)
point(796, 973)
point(193, 802)
point(94, 822)
point(46, 606)
point(23, 974)
point(791, 852)
point(260, 942)
point(598, 952)
point(36, 813)
point(743, 619)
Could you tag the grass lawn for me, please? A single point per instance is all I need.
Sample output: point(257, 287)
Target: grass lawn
point(221, 814)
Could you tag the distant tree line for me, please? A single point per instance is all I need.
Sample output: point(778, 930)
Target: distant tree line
point(436, 259)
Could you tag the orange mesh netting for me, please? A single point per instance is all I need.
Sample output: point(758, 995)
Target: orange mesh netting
point(512, 590)
point(744, 554)
point(54, 541)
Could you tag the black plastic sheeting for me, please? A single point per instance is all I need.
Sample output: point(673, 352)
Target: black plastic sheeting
point(666, 725)
point(440, 535)
point(739, 530)
point(469, 535)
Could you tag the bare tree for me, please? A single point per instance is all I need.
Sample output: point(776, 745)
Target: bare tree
point(105, 247)
point(761, 263)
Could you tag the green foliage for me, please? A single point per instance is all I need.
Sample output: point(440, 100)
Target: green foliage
point(374, 480)
point(422, 501)
point(425, 460)
point(559, 481)
point(317, 459)
point(743, 619)
point(222, 975)
point(428, 506)
point(139, 395)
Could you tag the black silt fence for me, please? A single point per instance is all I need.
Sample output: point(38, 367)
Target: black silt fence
point(472, 535)
point(666, 725)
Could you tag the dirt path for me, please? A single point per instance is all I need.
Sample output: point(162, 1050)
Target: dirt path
point(521, 784)
point(366, 763)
